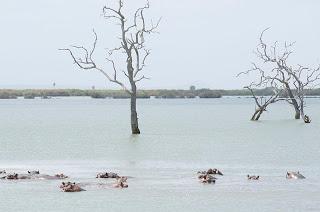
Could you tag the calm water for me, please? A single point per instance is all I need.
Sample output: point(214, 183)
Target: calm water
point(82, 136)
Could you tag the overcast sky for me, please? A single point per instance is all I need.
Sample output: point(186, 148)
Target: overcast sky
point(201, 42)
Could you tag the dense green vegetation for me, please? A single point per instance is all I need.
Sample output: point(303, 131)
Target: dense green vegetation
point(119, 94)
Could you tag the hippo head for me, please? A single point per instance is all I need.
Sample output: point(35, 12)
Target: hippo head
point(122, 185)
point(102, 175)
point(34, 172)
point(63, 184)
point(216, 171)
point(201, 176)
point(121, 179)
point(12, 177)
point(210, 171)
point(61, 176)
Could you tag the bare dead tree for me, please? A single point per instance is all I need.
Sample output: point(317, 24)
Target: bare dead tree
point(132, 45)
point(293, 81)
point(304, 78)
point(262, 83)
point(261, 106)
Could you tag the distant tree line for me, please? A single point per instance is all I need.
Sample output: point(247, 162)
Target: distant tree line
point(119, 94)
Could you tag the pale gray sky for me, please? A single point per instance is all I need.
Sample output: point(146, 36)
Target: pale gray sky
point(201, 42)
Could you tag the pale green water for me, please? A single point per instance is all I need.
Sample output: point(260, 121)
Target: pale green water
point(82, 136)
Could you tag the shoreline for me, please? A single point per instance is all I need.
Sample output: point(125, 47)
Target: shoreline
point(142, 94)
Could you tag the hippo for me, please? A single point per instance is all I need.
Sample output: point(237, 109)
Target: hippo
point(61, 176)
point(306, 119)
point(2, 174)
point(107, 175)
point(202, 176)
point(207, 178)
point(211, 171)
point(214, 171)
point(13, 176)
point(49, 177)
point(120, 185)
point(122, 179)
point(34, 172)
point(121, 182)
point(34, 176)
point(70, 187)
point(253, 177)
point(294, 175)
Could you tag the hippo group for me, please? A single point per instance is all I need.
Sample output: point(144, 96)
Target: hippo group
point(289, 175)
point(107, 175)
point(211, 171)
point(207, 176)
point(32, 175)
point(121, 180)
point(76, 187)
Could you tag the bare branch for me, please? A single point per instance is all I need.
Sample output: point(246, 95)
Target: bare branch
point(141, 78)
point(89, 64)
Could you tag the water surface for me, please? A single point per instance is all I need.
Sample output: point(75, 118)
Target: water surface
point(83, 136)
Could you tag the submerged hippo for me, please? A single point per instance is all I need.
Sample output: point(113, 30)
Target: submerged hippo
point(202, 176)
point(34, 175)
point(49, 177)
point(34, 172)
point(306, 119)
point(122, 179)
point(211, 171)
point(294, 175)
point(2, 174)
point(61, 176)
point(120, 185)
point(70, 187)
point(121, 182)
point(207, 178)
point(107, 175)
point(253, 177)
point(16, 176)
point(11, 177)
